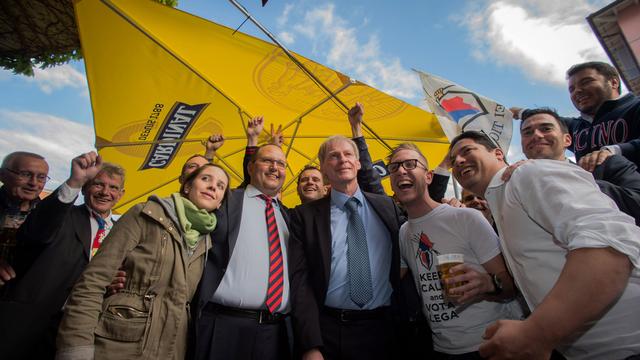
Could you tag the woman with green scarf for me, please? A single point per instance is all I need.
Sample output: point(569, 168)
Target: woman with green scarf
point(162, 246)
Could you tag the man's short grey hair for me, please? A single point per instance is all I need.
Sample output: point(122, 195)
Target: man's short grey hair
point(324, 148)
point(10, 159)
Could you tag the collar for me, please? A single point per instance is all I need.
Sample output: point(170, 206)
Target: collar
point(339, 199)
point(253, 192)
point(496, 181)
point(108, 221)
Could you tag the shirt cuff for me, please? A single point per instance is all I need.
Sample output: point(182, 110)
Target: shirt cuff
point(441, 171)
point(615, 149)
point(67, 194)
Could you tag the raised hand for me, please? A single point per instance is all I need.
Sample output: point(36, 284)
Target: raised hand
point(355, 119)
point(254, 129)
point(84, 168)
point(212, 144)
point(276, 138)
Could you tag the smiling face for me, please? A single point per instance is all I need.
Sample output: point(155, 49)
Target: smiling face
point(103, 192)
point(267, 171)
point(588, 89)
point(311, 185)
point(410, 186)
point(19, 187)
point(340, 164)
point(542, 138)
point(207, 189)
point(474, 165)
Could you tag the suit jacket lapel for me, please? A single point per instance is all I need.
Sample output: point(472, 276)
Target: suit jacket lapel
point(234, 215)
point(383, 212)
point(323, 229)
point(82, 227)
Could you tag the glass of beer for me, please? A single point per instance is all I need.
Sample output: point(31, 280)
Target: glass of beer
point(445, 263)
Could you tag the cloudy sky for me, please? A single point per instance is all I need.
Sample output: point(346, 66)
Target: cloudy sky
point(513, 51)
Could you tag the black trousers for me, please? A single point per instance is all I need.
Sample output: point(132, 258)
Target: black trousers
point(224, 336)
point(370, 339)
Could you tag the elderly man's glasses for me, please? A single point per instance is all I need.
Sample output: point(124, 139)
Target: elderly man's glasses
point(408, 164)
point(28, 175)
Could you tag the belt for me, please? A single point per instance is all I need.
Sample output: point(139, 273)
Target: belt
point(261, 316)
point(355, 315)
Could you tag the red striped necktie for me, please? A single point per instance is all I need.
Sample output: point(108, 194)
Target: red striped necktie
point(276, 279)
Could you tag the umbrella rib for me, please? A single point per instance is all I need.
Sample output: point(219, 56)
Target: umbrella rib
point(172, 141)
point(315, 106)
point(306, 70)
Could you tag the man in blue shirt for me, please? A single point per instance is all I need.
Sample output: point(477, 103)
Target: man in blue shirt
point(345, 263)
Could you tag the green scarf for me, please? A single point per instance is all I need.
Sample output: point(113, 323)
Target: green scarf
point(194, 222)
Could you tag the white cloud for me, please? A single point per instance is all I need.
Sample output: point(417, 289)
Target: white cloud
point(333, 37)
point(286, 37)
point(284, 17)
point(543, 38)
point(57, 139)
point(58, 77)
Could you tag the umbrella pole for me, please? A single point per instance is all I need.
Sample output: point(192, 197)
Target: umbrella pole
point(287, 52)
point(302, 67)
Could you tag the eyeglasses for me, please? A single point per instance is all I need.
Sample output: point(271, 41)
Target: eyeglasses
point(408, 164)
point(28, 175)
point(273, 162)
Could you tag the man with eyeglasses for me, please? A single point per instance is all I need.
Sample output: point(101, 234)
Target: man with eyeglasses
point(55, 244)
point(457, 319)
point(24, 175)
point(243, 300)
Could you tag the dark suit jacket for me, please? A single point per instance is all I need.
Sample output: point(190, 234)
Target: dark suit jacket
point(310, 261)
point(619, 179)
point(53, 250)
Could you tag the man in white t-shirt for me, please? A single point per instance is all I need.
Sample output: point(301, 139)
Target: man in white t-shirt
point(574, 256)
point(434, 229)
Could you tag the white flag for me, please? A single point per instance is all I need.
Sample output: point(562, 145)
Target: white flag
point(459, 110)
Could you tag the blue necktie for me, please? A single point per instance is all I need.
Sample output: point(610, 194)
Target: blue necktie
point(358, 268)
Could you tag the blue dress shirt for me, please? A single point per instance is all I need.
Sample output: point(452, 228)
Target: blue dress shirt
point(379, 246)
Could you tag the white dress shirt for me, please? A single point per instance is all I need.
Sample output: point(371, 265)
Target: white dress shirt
point(244, 284)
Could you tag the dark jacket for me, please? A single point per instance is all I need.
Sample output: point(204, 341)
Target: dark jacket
point(617, 122)
point(619, 179)
point(53, 250)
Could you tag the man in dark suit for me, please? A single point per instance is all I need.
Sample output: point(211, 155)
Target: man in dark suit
point(345, 259)
point(54, 246)
point(243, 298)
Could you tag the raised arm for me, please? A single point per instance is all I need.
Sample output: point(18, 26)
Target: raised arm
point(368, 178)
point(254, 129)
point(211, 145)
point(45, 220)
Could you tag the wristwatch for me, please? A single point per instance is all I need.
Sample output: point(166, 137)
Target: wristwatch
point(497, 284)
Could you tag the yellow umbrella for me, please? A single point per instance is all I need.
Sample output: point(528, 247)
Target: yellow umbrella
point(161, 80)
